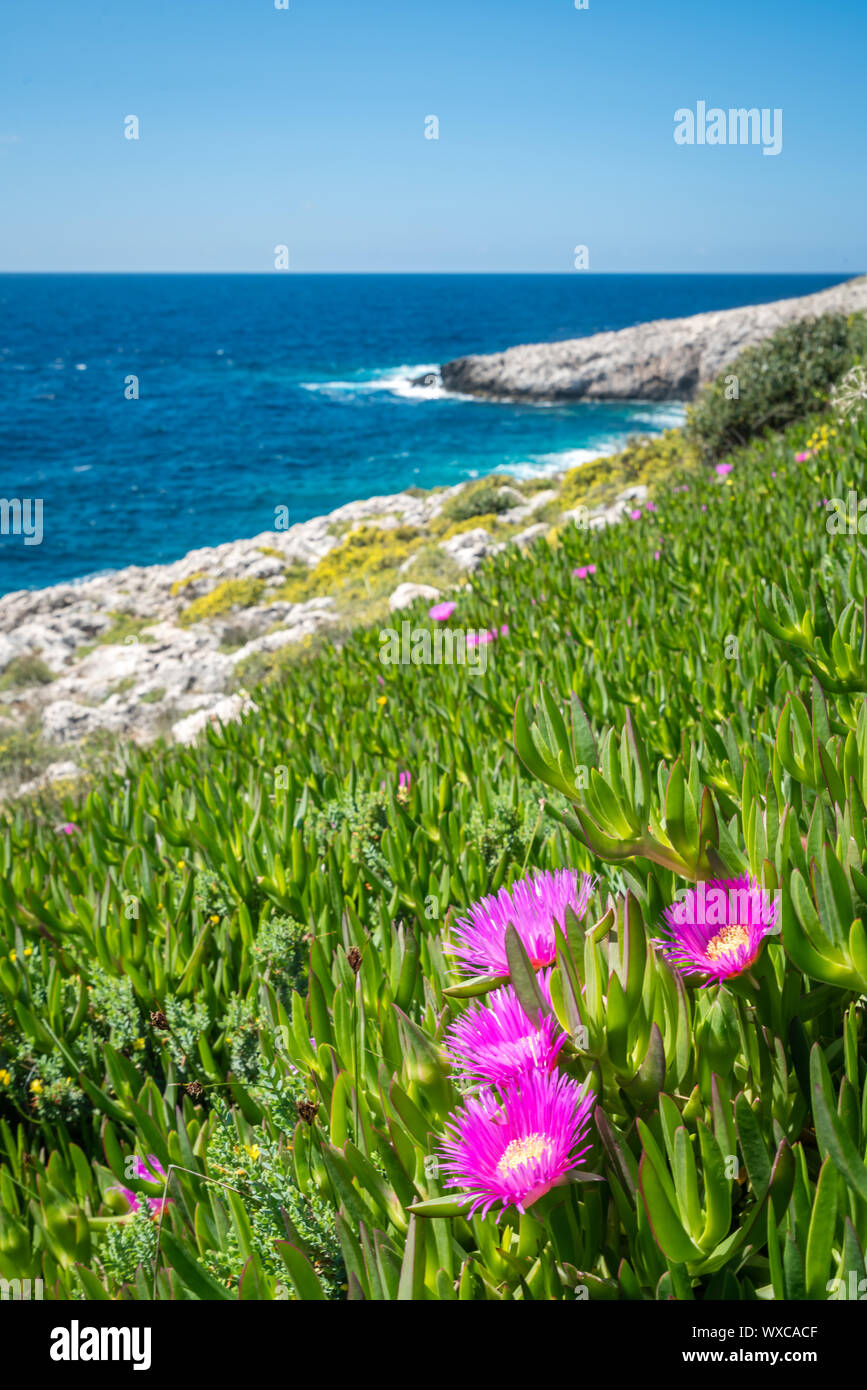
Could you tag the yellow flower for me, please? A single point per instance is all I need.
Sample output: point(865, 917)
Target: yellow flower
point(139, 1044)
point(181, 864)
point(382, 700)
point(13, 955)
point(252, 1151)
point(36, 1087)
point(28, 950)
point(214, 917)
point(5, 1076)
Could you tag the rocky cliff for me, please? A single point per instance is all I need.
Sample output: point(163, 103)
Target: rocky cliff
point(668, 359)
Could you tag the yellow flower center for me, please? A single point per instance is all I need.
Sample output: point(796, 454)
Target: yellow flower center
point(729, 939)
point(522, 1151)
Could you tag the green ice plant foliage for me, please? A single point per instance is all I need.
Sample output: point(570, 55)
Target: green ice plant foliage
point(235, 962)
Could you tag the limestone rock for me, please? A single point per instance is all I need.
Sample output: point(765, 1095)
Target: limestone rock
point(531, 533)
point(224, 711)
point(407, 593)
point(666, 360)
point(469, 548)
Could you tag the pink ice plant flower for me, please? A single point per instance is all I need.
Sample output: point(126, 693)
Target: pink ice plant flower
point(723, 469)
point(804, 455)
point(717, 929)
point(495, 1042)
point(583, 571)
point(635, 514)
point(150, 1171)
point(404, 780)
point(532, 905)
point(69, 828)
point(441, 612)
point(514, 1149)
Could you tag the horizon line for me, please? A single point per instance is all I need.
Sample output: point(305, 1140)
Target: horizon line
point(562, 274)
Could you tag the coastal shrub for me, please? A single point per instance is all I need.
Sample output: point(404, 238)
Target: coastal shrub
point(537, 482)
point(181, 584)
point(357, 817)
point(444, 528)
point(129, 1251)
point(480, 499)
point(432, 565)
point(295, 578)
point(240, 1025)
point(648, 462)
point(213, 898)
point(25, 752)
point(267, 667)
point(362, 566)
point(187, 1021)
point(265, 1176)
point(123, 627)
point(114, 1010)
point(231, 594)
point(120, 687)
point(776, 382)
point(233, 637)
point(24, 671)
point(280, 949)
point(504, 828)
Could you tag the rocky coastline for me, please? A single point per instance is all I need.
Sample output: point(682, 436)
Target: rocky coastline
point(667, 359)
point(164, 649)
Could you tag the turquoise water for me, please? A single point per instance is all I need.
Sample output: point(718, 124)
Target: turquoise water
point(256, 392)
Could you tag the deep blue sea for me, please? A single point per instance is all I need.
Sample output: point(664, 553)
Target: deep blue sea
point(285, 390)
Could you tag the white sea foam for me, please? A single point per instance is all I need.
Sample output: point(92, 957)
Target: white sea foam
point(671, 415)
point(559, 461)
point(399, 382)
point(395, 381)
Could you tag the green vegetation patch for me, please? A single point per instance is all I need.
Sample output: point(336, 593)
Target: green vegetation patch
point(25, 670)
point(231, 594)
point(651, 462)
point(236, 957)
point(362, 566)
point(776, 382)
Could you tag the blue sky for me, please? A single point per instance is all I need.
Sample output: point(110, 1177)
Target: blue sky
point(305, 127)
